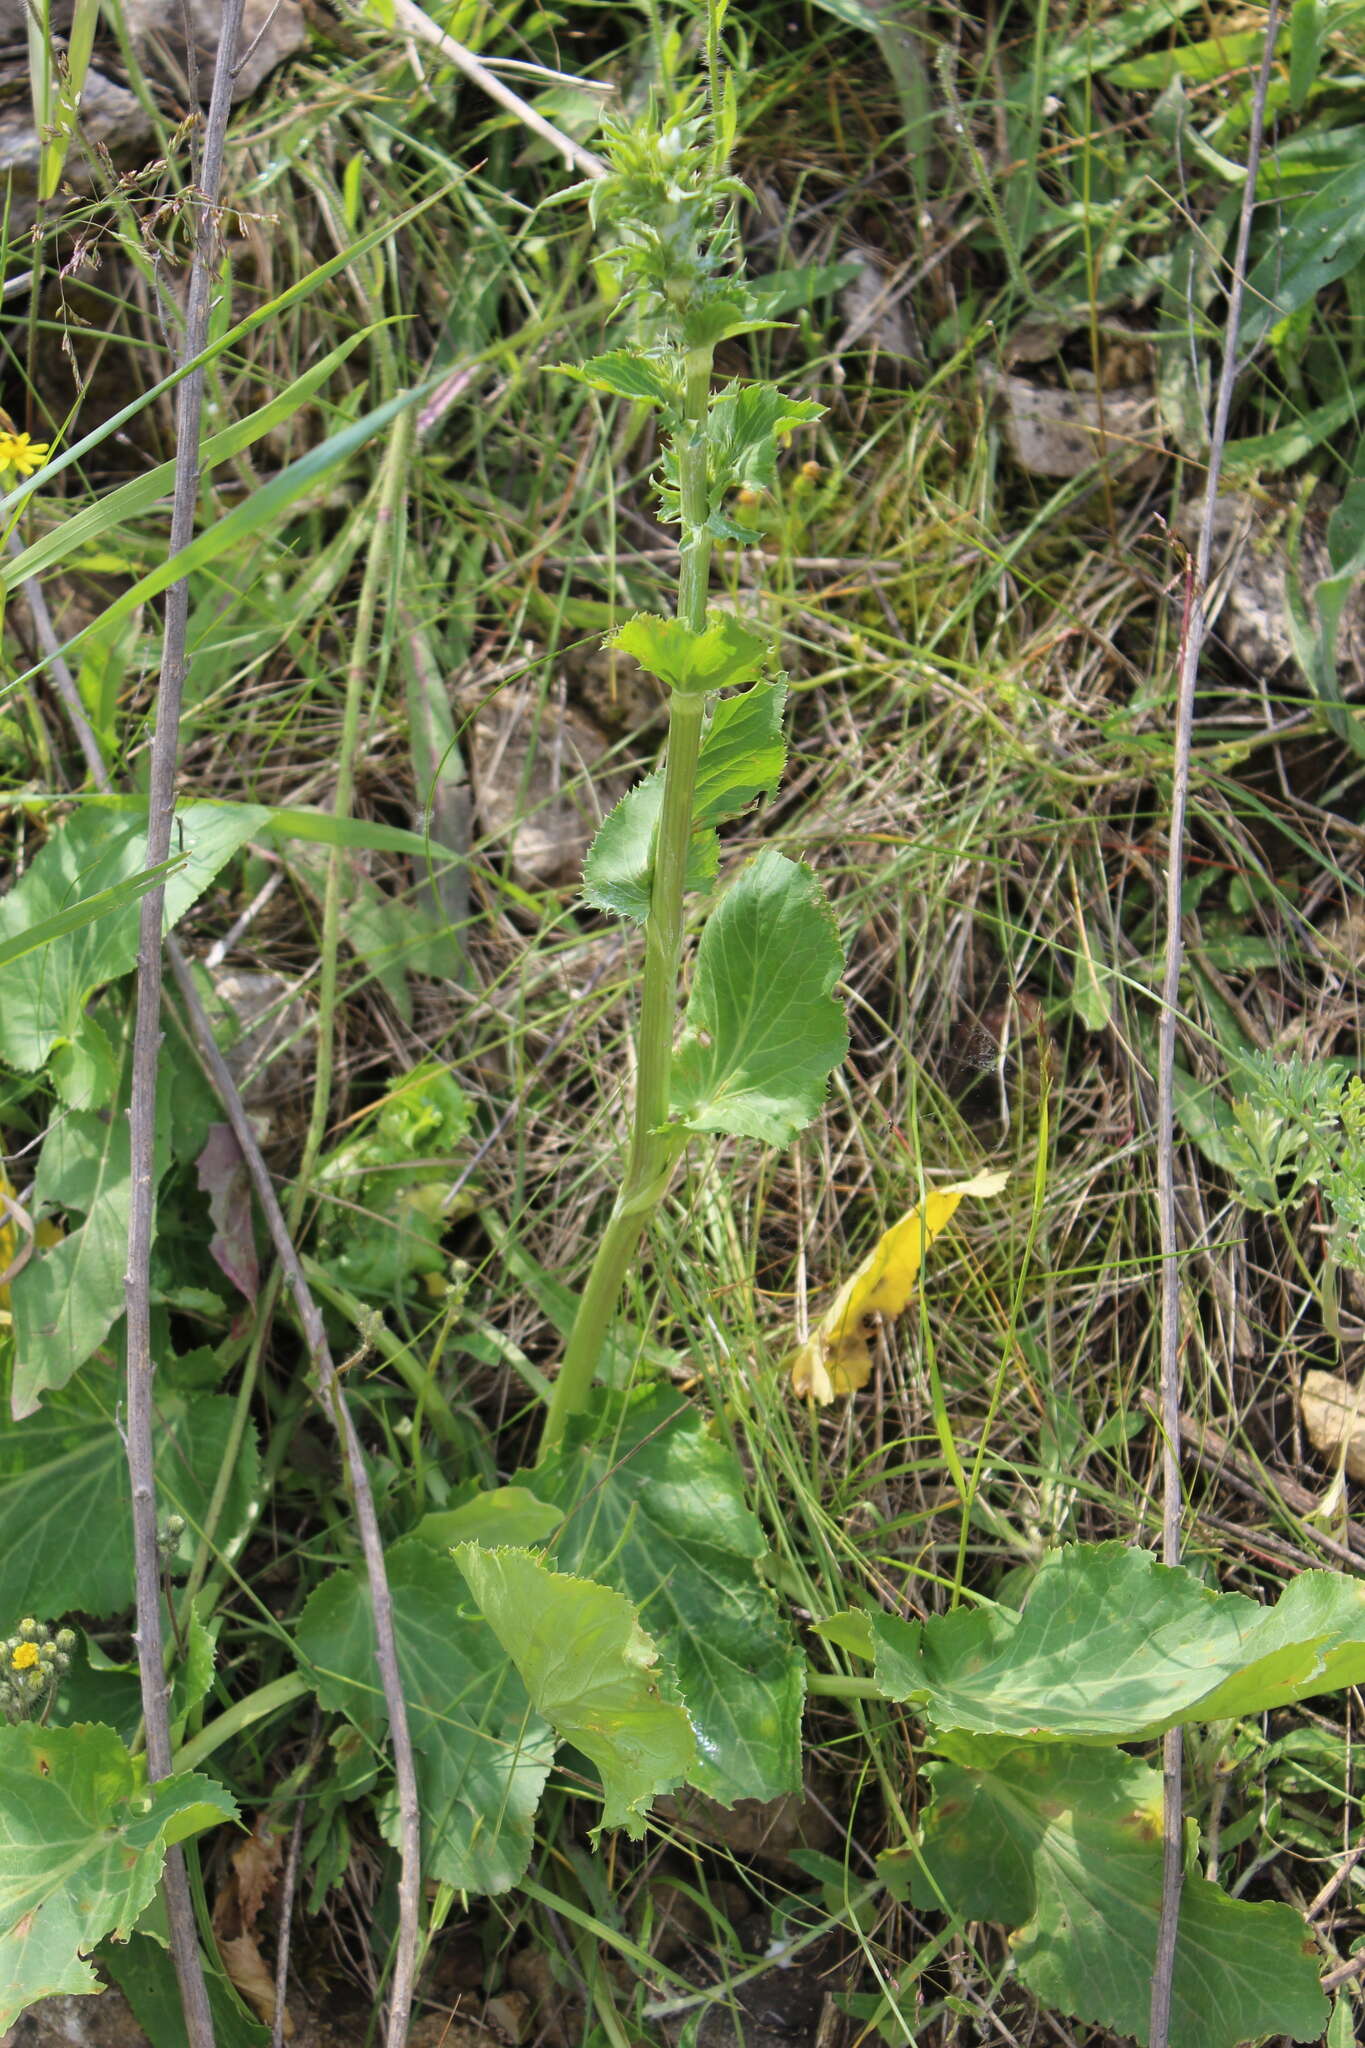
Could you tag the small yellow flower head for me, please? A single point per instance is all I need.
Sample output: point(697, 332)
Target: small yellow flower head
point(21, 453)
point(25, 1656)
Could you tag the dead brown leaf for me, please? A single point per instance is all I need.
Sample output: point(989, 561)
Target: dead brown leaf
point(255, 1872)
point(1334, 1411)
point(258, 1862)
point(246, 1966)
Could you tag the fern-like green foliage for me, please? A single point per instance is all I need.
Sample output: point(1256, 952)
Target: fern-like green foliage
point(1301, 1125)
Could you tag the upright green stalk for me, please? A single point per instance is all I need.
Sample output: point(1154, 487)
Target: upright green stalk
point(653, 1153)
point(393, 483)
point(670, 200)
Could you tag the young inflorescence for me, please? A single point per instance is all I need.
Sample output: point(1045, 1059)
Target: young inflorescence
point(32, 1664)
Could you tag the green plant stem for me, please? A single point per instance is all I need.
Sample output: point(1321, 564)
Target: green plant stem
point(653, 1148)
point(242, 1714)
point(358, 671)
point(842, 1685)
point(421, 1381)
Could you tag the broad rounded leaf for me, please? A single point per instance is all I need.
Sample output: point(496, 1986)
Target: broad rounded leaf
point(763, 1033)
point(654, 1506)
point(695, 663)
point(482, 1753)
point(82, 1842)
point(1065, 1846)
point(85, 1068)
point(43, 995)
point(1073, 1667)
point(499, 1515)
point(66, 1536)
point(591, 1670)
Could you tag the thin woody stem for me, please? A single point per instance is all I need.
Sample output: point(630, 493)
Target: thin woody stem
point(179, 1909)
point(147, 1037)
point(1194, 630)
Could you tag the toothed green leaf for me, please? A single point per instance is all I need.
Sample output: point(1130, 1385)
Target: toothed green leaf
point(763, 1031)
point(725, 655)
point(591, 1670)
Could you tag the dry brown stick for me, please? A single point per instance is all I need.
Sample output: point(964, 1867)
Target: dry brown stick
point(386, 1646)
point(386, 1655)
point(1193, 633)
point(411, 19)
point(291, 1878)
point(184, 1940)
point(1344, 1973)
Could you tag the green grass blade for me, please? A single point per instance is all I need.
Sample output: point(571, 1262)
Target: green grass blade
point(133, 499)
point(105, 903)
point(260, 511)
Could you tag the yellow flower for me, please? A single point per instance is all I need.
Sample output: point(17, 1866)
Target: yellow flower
point(20, 452)
point(25, 1657)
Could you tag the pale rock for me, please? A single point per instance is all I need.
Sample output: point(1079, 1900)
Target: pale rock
point(157, 30)
point(1052, 431)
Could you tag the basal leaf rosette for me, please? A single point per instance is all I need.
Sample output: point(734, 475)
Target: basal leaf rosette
point(82, 1842)
point(652, 1504)
point(482, 1752)
point(1114, 1647)
point(1038, 1823)
point(65, 1520)
point(590, 1670)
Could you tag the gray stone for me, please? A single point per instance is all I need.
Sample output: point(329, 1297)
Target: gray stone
point(99, 2021)
point(270, 33)
point(109, 115)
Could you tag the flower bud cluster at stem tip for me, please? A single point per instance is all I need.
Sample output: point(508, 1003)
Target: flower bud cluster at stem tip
point(32, 1662)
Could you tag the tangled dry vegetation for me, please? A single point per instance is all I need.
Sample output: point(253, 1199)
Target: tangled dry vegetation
point(976, 569)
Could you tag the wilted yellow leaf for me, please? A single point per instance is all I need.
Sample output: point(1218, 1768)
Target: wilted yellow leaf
point(18, 1240)
point(836, 1357)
